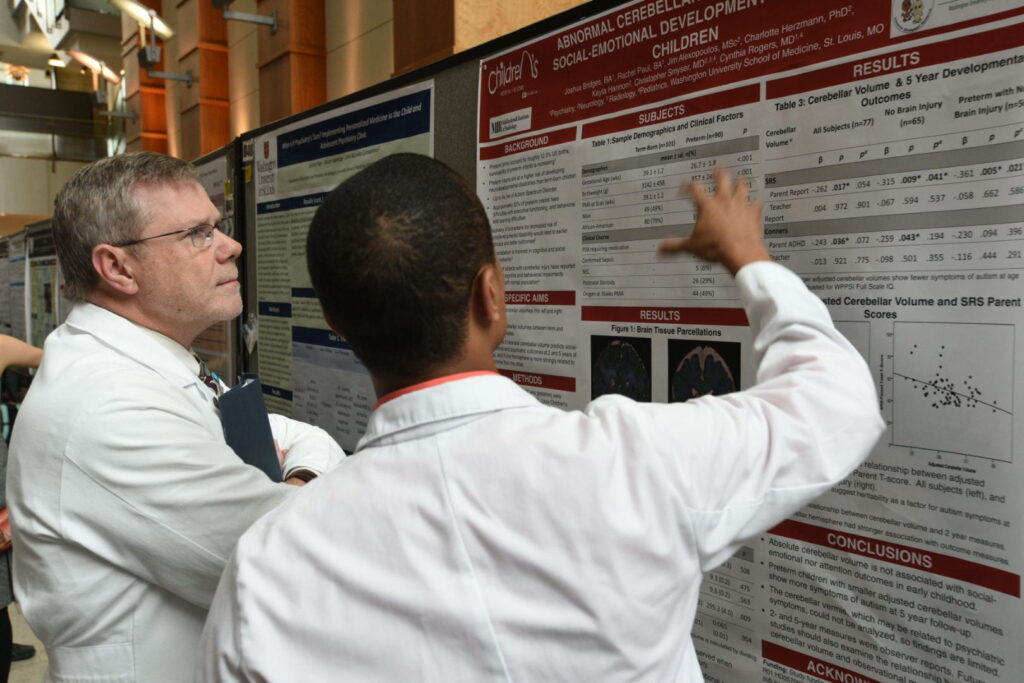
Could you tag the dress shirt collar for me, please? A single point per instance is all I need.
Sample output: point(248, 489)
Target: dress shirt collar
point(429, 383)
point(173, 348)
point(453, 398)
point(147, 347)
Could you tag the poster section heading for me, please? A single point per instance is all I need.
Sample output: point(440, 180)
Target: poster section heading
point(716, 107)
point(276, 392)
point(374, 125)
point(530, 143)
point(888, 92)
point(540, 380)
point(926, 561)
point(318, 337)
point(291, 204)
point(645, 52)
point(705, 315)
point(540, 298)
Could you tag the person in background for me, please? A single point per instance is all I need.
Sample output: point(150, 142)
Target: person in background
point(13, 352)
point(479, 535)
point(125, 499)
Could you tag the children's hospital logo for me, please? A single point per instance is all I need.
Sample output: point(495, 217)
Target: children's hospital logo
point(505, 73)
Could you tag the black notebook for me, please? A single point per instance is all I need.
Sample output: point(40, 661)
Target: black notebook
point(247, 426)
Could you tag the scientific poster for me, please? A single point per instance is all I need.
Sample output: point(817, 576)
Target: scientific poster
point(307, 371)
point(886, 139)
point(43, 285)
point(5, 288)
point(16, 268)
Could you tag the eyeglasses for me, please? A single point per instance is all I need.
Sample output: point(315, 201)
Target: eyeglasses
point(201, 236)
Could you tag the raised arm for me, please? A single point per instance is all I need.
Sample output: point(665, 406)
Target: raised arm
point(742, 462)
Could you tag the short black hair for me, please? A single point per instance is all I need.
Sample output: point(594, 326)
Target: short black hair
point(393, 252)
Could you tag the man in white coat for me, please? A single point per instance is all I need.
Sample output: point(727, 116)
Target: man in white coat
point(125, 500)
point(479, 535)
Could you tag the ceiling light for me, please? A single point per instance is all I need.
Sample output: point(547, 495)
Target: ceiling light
point(145, 16)
point(17, 73)
point(94, 65)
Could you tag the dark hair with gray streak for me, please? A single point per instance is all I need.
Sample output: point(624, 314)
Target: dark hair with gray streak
point(98, 206)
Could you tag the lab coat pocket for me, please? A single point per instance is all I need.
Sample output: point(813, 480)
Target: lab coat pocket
point(109, 663)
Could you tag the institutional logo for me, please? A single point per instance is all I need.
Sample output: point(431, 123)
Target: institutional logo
point(910, 15)
point(505, 73)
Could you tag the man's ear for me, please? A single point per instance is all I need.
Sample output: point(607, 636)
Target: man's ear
point(489, 295)
point(115, 268)
point(332, 326)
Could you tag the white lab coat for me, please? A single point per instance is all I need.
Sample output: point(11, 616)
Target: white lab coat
point(477, 535)
point(126, 502)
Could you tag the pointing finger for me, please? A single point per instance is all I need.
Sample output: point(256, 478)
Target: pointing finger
point(673, 245)
point(698, 192)
point(742, 191)
point(723, 182)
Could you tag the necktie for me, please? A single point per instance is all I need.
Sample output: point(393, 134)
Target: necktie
point(207, 378)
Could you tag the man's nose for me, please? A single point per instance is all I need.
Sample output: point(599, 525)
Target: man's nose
point(227, 246)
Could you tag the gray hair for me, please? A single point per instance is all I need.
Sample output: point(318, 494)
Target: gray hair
point(98, 206)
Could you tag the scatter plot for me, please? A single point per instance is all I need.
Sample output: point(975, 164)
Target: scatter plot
point(953, 388)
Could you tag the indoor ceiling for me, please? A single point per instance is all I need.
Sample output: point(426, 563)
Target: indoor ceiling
point(95, 28)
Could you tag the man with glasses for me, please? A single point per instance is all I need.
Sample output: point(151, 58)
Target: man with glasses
point(126, 502)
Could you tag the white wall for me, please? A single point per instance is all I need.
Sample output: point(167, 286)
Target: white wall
point(360, 44)
point(28, 186)
point(244, 79)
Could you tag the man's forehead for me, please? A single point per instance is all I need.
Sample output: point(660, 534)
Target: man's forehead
point(174, 202)
point(152, 188)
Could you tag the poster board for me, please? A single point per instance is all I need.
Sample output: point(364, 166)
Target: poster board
point(16, 269)
point(5, 287)
point(886, 139)
point(844, 117)
point(42, 283)
point(308, 372)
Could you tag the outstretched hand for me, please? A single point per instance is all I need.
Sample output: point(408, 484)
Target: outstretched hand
point(728, 228)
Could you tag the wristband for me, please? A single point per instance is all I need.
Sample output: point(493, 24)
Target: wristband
point(303, 475)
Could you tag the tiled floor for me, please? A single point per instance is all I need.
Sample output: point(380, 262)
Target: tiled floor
point(30, 670)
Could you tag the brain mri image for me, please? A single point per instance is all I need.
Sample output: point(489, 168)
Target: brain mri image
point(620, 365)
point(698, 368)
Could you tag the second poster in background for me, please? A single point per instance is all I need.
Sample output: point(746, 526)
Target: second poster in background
point(307, 371)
